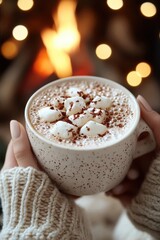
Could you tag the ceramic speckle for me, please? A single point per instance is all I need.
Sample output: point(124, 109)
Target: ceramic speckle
point(83, 172)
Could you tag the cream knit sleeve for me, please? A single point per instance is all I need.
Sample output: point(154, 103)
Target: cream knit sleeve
point(33, 208)
point(144, 211)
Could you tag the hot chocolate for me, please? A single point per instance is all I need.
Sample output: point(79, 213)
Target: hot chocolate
point(83, 131)
point(84, 115)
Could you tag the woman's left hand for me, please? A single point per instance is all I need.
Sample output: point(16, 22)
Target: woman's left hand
point(130, 186)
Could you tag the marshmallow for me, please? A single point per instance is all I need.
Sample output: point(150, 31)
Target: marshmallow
point(73, 91)
point(58, 102)
point(74, 105)
point(63, 130)
point(80, 119)
point(49, 114)
point(97, 115)
point(93, 129)
point(101, 102)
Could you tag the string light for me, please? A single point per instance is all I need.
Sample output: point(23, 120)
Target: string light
point(103, 51)
point(115, 4)
point(9, 49)
point(148, 9)
point(143, 69)
point(134, 79)
point(25, 5)
point(20, 32)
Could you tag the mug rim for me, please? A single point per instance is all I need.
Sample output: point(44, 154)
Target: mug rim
point(83, 77)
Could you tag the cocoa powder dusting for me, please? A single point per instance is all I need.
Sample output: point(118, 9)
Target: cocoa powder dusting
point(117, 117)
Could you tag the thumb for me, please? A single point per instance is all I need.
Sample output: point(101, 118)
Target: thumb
point(21, 146)
point(151, 117)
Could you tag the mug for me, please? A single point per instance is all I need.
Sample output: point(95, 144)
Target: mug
point(86, 171)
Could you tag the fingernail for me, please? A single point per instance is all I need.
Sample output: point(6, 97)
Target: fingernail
point(144, 103)
point(15, 129)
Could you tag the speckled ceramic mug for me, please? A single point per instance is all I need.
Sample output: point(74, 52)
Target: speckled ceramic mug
point(82, 171)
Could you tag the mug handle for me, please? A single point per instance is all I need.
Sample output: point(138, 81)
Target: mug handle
point(146, 144)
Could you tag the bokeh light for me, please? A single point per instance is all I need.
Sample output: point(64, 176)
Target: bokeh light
point(1, 1)
point(143, 69)
point(20, 32)
point(103, 51)
point(9, 49)
point(134, 79)
point(148, 9)
point(115, 4)
point(25, 5)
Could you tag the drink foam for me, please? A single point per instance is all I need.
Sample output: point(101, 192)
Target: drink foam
point(114, 120)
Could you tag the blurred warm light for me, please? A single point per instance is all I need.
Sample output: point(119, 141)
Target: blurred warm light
point(25, 5)
point(20, 32)
point(65, 15)
point(59, 58)
point(64, 40)
point(148, 9)
point(68, 37)
point(103, 51)
point(134, 79)
point(115, 4)
point(42, 64)
point(9, 49)
point(143, 69)
point(1, 1)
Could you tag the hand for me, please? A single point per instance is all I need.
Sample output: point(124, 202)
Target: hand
point(19, 152)
point(130, 186)
point(32, 197)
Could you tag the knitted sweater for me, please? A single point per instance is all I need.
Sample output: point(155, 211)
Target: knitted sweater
point(34, 209)
point(144, 211)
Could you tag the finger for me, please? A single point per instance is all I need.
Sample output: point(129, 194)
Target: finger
point(10, 160)
point(151, 117)
point(21, 146)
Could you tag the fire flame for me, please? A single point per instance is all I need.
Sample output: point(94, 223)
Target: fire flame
point(65, 39)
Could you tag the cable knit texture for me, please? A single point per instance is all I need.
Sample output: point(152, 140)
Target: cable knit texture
point(33, 208)
point(144, 211)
